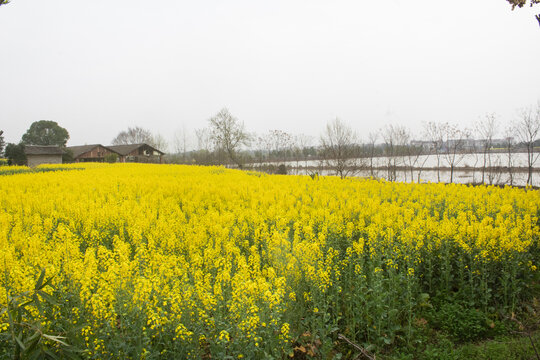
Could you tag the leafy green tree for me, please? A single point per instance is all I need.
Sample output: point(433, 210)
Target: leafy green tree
point(3, 2)
point(15, 154)
point(67, 156)
point(45, 132)
point(111, 158)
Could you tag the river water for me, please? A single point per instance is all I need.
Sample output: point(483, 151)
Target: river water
point(425, 169)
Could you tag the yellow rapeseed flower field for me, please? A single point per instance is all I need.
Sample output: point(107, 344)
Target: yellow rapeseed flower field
point(168, 261)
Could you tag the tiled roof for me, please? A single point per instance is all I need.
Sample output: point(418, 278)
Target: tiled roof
point(126, 149)
point(119, 149)
point(43, 150)
point(82, 149)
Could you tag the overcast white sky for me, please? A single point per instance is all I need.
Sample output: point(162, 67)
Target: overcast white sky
point(97, 67)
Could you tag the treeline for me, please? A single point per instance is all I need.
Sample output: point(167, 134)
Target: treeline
point(341, 150)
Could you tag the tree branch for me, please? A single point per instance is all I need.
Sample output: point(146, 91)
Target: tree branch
point(357, 347)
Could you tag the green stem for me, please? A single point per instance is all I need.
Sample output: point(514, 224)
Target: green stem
point(17, 353)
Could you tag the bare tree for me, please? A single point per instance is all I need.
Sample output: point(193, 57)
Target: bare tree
point(403, 138)
point(136, 135)
point(372, 141)
point(228, 135)
point(267, 145)
point(259, 151)
point(203, 154)
point(412, 154)
point(454, 146)
point(300, 143)
point(486, 129)
point(434, 133)
point(159, 142)
point(340, 148)
point(390, 151)
point(203, 139)
point(527, 129)
point(180, 142)
point(276, 146)
point(495, 172)
point(278, 143)
point(509, 147)
point(474, 151)
point(395, 139)
point(420, 166)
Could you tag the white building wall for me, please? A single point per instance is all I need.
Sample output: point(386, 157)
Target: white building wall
point(35, 160)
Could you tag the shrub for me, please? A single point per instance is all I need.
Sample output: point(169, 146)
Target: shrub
point(462, 323)
point(111, 158)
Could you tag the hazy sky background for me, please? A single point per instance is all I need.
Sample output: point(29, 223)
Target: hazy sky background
point(97, 67)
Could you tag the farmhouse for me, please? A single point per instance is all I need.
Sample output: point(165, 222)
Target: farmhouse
point(43, 154)
point(93, 153)
point(142, 153)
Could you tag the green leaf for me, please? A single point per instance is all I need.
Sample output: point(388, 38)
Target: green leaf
point(39, 283)
point(26, 312)
point(19, 342)
point(32, 341)
point(48, 298)
point(48, 282)
point(21, 295)
point(33, 337)
point(70, 354)
point(12, 313)
point(56, 339)
point(52, 355)
point(26, 303)
point(36, 354)
point(38, 304)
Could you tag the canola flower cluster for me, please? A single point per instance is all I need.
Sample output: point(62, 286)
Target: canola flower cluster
point(169, 261)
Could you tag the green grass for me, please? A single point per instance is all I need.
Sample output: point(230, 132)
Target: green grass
point(9, 171)
point(501, 347)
